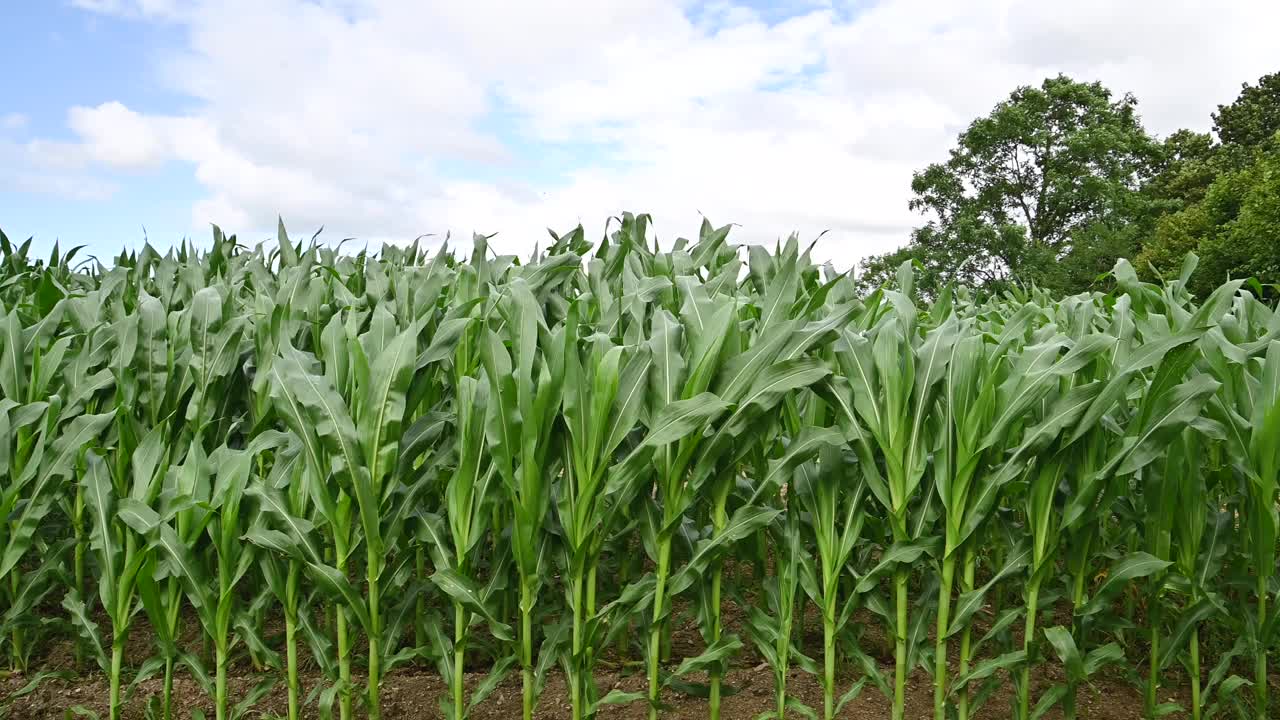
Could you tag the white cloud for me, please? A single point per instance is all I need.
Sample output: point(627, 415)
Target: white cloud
point(142, 8)
point(49, 168)
point(359, 114)
point(13, 121)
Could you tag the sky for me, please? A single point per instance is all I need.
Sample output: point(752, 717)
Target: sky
point(385, 120)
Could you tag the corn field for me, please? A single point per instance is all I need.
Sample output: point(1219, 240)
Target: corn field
point(362, 462)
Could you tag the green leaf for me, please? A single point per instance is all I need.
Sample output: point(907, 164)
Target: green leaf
point(1062, 642)
point(337, 586)
point(684, 418)
point(615, 697)
point(989, 667)
point(87, 628)
point(464, 592)
point(898, 553)
point(1051, 697)
point(1130, 567)
point(744, 522)
point(715, 654)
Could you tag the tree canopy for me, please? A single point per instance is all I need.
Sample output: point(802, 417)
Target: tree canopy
point(1060, 180)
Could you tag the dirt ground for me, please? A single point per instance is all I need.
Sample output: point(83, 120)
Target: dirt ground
point(407, 695)
point(414, 694)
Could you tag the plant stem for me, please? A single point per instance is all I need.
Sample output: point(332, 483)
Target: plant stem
point(291, 642)
point(940, 650)
point(291, 660)
point(166, 695)
point(17, 648)
point(117, 654)
point(900, 644)
point(1028, 644)
point(576, 699)
point(655, 632)
point(966, 637)
point(1077, 631)
point(1260, 662)
point(220, 686)
point(419, 631)
point(340, 627)
point(588, 682)
point(719, 518)
point(829, 659)
point(344, 664)
point(526, 648)
point(78, 521)
point(1194, 652)
point(375, 647)
point(459, 656)
point(1153, 665)
point(783, 647)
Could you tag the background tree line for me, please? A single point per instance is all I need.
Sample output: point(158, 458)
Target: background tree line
point(1060, 180)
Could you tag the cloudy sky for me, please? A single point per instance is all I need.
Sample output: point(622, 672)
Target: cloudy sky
point(387, 119)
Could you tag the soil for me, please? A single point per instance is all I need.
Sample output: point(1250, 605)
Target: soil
point(416, 695)
point(415, 692)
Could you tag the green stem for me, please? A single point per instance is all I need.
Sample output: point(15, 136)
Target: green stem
point(1153, 665)
point(1077, 629)
point(291, 646)
point(375, 647)
point(576, 699)
point(798, 622)
point(715, 673)
point(966, 636)
point(900, 644)
point(1028, 645)
point(655, 632)
point(624, 578)
point(829, 659)
point(1194, 652)
point(526, 647)
point(340, 628)
point(588, 681)
point(17, 635)
point(78, 516)
point(719, 518)
point(940, 649)
point(166, 695)
point(419, 629)
point(220, 683)
point(344, 663)
point(1260, 662)
point(783, 647)
point(459, 656)
point(117, 654)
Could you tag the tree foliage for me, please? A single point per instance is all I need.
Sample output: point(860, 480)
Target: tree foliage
point(1060, 180)
point(1032, 190)
point(1221, 200)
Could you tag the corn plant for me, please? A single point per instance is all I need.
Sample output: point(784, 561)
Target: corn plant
point(414, 457)
point(1249, 407)
point(524, 393)
point(604, 391)
point(896, 373)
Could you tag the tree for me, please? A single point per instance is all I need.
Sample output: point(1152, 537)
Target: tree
point(1220, 200)
point(1235, 228)
point(1254, 118)
point(1043, 190)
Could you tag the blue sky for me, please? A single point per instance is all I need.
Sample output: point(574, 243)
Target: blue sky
point(69, 56)
point(386, 119)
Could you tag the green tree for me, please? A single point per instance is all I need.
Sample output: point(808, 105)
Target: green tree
point(1220, 200)
point(1254, 118)
point(1043, 189)
point(1235, 228)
